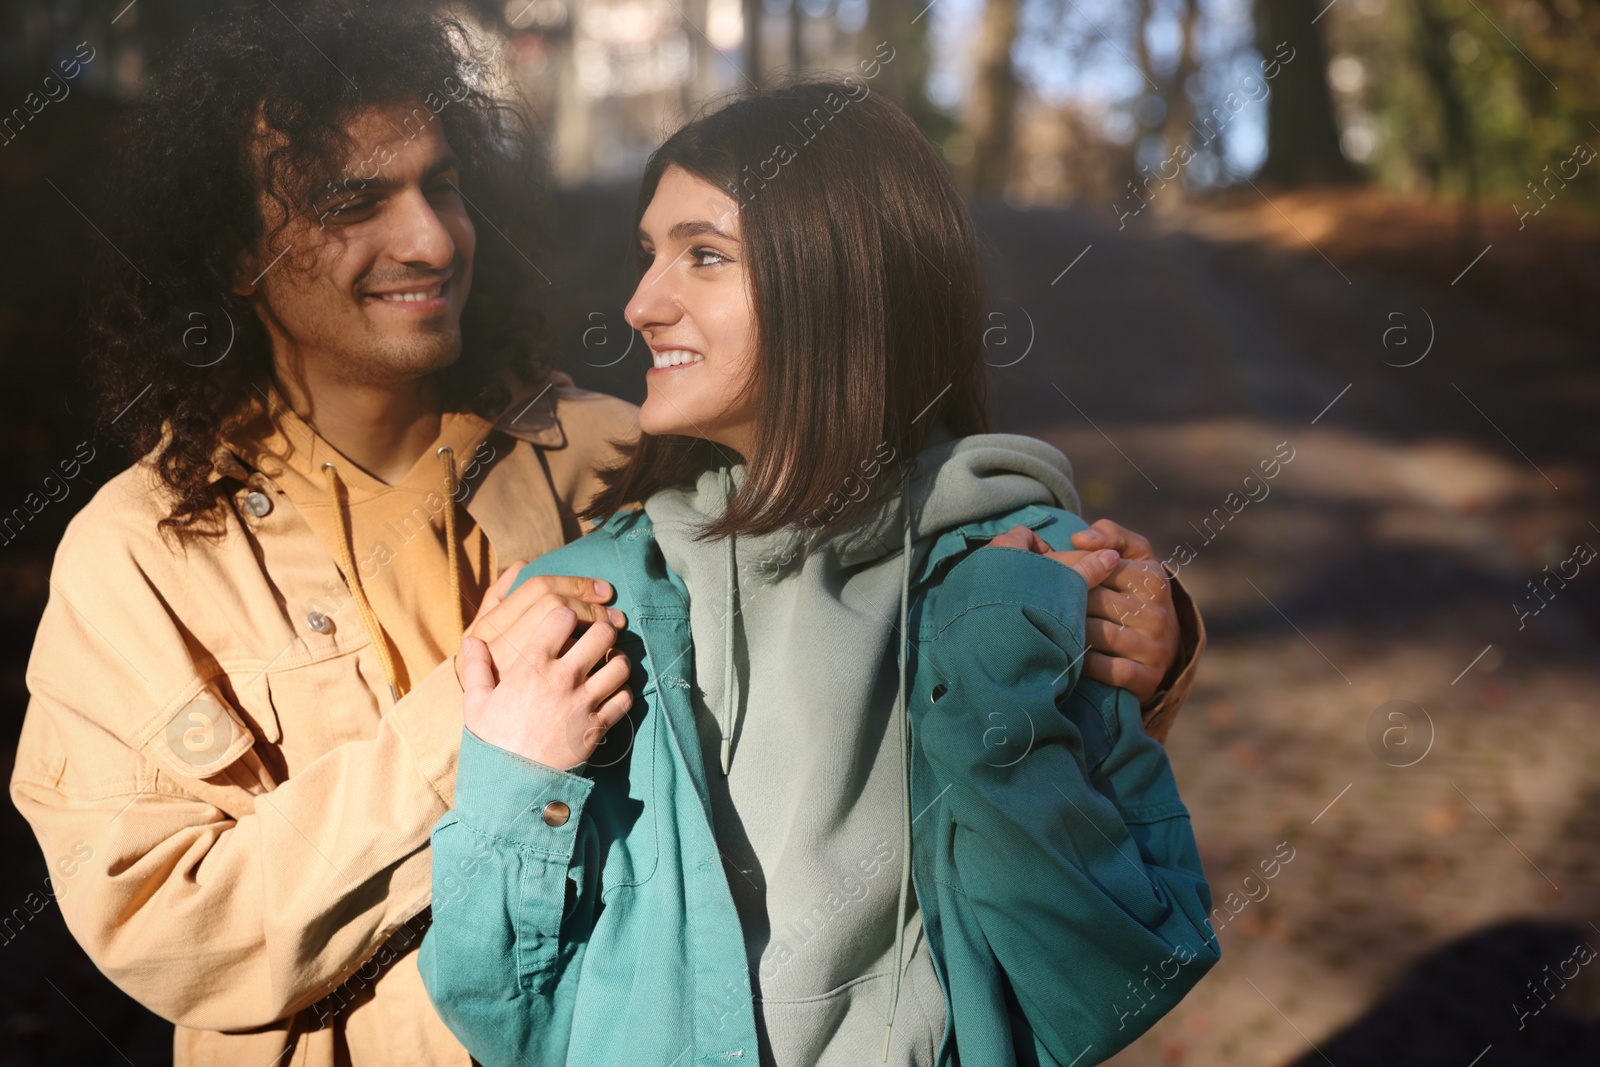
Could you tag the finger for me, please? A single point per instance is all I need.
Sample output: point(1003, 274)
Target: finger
point(1067, 556)
point(552, 632)
point(1113, 640)
point(568, 587)
point(607, 715)
point(1090, 539)
point(608, 679)
point(497, 591)
point(1142, 578)
point(493, 624)
point(1120, 609)
point(477, 668)
point(1096, 566)
point(1018, 537)
point(1038, 544)
point(613, 708)
point(590, 647)
point(1122, 673)
point(507, 633)
point(1104, 533)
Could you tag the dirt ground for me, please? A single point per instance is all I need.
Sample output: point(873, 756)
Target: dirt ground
point(1373, 702)
point(1379, 702)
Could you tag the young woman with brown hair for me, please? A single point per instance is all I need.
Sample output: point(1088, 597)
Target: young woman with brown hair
point(846, 794)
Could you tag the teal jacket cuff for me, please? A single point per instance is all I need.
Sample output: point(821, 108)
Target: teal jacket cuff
point(504, 796)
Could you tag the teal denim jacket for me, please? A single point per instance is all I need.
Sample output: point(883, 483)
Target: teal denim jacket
point(1053, 862)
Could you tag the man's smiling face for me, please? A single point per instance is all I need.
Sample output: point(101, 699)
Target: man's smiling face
point(371, 282)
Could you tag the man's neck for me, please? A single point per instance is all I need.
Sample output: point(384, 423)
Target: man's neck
point(382, 428)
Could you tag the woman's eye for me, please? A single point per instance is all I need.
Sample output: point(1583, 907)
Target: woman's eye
point(706, 257)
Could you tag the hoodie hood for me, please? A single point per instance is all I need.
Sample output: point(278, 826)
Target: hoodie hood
point(811, 607)
point(955, 480)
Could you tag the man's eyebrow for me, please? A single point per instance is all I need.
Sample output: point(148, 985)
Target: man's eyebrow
point(382, 184)
point(692, 228)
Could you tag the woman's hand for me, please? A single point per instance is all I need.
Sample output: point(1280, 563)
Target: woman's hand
point(499, 614)
point(548, 705)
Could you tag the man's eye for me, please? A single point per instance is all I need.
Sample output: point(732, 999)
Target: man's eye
point(348, 210)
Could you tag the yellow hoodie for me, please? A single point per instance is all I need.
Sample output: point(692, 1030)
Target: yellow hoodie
point(409, 549)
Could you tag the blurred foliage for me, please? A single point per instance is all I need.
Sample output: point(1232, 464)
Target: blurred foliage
point(1470, 97)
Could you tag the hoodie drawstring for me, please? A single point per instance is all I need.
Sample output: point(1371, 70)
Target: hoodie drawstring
point(905, 764)
point(447, 457)
point(369, 618)
point(730, 589)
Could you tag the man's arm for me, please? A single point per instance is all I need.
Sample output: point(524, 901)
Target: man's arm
point(211, 914)
point(222, 896)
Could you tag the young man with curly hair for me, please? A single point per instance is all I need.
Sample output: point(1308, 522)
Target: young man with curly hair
point(245, 711)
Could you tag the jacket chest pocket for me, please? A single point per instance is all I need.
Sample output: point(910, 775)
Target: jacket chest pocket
point(623, 821)
point(321, 705)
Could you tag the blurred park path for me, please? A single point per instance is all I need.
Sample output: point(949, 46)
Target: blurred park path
point(1444, 847)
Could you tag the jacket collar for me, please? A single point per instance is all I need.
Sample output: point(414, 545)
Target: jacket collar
point(530, 416)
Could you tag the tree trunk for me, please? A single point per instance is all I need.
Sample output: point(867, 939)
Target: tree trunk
point(752, 42)
point(991, 113)
point(1302, 136)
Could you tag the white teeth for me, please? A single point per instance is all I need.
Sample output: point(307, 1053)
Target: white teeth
point(411, 298)
point(676, 357)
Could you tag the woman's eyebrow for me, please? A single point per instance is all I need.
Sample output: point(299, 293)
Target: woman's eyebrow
point(695, 228)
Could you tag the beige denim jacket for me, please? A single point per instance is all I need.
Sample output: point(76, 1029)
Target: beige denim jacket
point(234, 811)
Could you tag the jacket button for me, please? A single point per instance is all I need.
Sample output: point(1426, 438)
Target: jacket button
point(258, 503)
point(319, 622)
point(556, 813)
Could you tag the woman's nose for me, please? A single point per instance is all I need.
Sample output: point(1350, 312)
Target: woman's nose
point(652, 305)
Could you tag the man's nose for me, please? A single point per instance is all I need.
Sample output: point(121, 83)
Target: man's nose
point(420, 235)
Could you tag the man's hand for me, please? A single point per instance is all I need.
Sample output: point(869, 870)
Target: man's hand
point(1132, 624)
point(499, 615)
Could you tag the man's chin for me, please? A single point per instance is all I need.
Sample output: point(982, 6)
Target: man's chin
point(426, 353)
point(400, 361)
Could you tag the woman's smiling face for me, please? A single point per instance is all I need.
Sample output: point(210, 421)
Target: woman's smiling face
point(696, 311)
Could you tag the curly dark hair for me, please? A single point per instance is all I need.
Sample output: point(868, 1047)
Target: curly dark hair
point(191, 183)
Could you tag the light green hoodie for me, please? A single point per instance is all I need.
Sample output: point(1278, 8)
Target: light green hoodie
point(808, 816)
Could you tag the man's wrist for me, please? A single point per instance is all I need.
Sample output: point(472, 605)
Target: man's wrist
point(1162, 707)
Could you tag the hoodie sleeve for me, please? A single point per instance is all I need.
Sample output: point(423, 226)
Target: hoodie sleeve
point(1070, 842)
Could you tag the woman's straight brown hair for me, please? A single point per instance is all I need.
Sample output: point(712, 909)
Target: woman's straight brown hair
point(868, 296)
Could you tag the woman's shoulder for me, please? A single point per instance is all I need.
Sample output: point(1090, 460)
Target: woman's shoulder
point(621, 550)
point(1055, 526)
